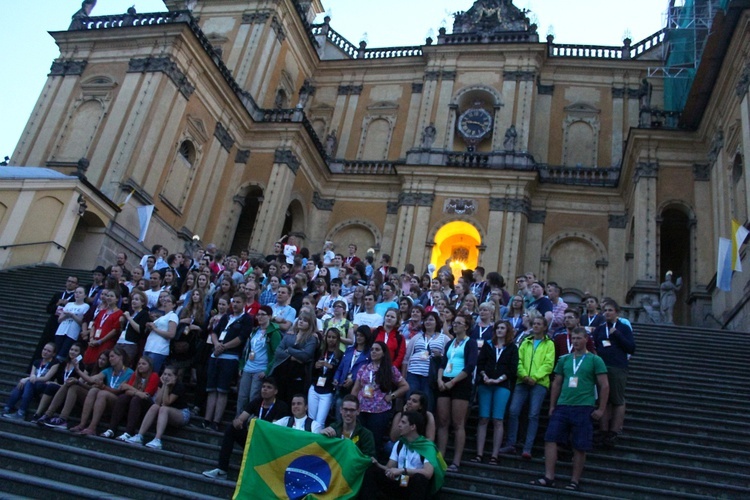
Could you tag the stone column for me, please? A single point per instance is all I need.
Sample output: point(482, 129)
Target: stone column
point(513, 210)
point(276, 199)
point(524, 107)
point(634, 104)
point(320, 216)
point(445, 114)
point(542, 109)
point(412, 136)
point(354, 91)
point(412, 229)
point(616, 248)
point(495, 226)
point(55, 101)
point(246, 43)
point(389, 228)
point(274, 36)
point(209, 213)
point(429, 89)
point(506, 116)
point(532, 250)
point(644, 207)
point(742, 91)
point(618, 107)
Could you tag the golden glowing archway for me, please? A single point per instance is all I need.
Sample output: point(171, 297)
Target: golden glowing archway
point(457, 241)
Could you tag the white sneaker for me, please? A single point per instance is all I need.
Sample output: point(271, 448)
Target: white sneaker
point(137, 439)
point(215, 473)
point(124, 437)
point(154, 445)
point(109, 434)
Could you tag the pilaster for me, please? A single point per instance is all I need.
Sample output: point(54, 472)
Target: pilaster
point(412, 135)
point(524, 109)
point(618, 109)
point(354, 92)
point(616, 248)
point(276, 199)
point(745, 140)
point(542, 110)
point(644, 213)
point(444, 113)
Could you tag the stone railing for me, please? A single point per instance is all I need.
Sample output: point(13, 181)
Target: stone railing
point(579, 176)
point(499, 160)
point(361, 51)
point(339, 166)
point(129, 19)
point(489, 38)
point(585, 51)
point(647, 44)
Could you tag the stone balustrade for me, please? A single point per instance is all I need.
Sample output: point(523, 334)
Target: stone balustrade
point(340, 166)
point(579, 176)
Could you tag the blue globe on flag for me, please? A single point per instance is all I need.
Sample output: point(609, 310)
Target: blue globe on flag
point(305, 476)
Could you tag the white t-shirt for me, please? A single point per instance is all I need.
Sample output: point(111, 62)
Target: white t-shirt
point(373, 320)
point(69, 327)
point(157, 344)
point(153, 297)
point(299, 424)
point(289, 252)
point(407, 459)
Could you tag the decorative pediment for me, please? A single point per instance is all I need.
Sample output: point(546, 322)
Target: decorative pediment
point(197, 129)
point(383, 106)
point(582, 109)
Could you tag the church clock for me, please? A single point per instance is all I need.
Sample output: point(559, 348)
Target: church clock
point(474, 124)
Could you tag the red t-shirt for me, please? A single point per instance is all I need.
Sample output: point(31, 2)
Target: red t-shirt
point(152, 384)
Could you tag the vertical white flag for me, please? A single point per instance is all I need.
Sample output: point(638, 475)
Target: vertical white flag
point(144, 217)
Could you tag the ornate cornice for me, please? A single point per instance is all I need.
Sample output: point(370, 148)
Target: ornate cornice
point(323, 203)
point(260, 17)
point(618, 221)
point(391, 207)
point(522, 205)
point(460, 206)
point(701, 172)
point(431, 75)
point(350, 89)
point(278, 29)
point(164, 65)
point(222, 134)
point(717, 144)
point(646, 169)
point(410, 199)
point(537, 216)
point(417, 88)
point(242, 156)
point(744, 81)
point(524, 76)
point(67, 67)
point(448, 75)
point(286, 156)
point(545, 89)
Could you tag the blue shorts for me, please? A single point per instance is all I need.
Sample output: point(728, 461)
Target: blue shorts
point(221, 373)
point(572, 424)
point(493, 400)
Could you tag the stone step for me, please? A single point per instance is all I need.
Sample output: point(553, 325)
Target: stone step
point(167, 472)
point(14, 484)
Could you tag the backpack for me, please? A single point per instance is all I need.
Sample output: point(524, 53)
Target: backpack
point(308, 423)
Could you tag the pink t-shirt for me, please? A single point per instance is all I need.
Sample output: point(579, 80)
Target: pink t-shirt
point(371, 398)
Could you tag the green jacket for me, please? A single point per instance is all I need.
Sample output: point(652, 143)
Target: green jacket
point(273, 339)
point(362, 437)
point(537, 364)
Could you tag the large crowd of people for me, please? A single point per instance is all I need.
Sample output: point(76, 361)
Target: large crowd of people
point(334, 344)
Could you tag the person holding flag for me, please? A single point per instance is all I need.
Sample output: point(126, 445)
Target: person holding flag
point(415, 468)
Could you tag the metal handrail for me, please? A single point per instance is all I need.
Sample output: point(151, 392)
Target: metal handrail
point(59, 246)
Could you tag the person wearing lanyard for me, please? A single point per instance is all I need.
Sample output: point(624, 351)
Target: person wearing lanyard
point(496, 367)
point(536, 359)
point(515, 314)
point(42, 371)
point(389, 335)
point(98, 399)
point(563, 338)
point(256, 357)
point(454, 388)
point(350, 428)
point(614, 343)
point(320, 393)
point(571, 408)
point(482, 330)
point(106, 329)
point(64, 373)
point(422, 351)
point(355, 357)
point(267, 407)
point(228, 339)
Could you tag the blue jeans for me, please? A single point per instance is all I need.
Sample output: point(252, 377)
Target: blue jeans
point(535, 395)
point(25, 396)
point(421, 383)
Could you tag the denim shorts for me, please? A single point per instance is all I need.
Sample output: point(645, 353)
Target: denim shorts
point(221, 373)
point(572, 424)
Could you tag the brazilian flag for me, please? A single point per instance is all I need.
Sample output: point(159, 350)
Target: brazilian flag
point(280, 462)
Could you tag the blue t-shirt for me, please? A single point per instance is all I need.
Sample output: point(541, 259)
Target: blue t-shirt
point(114, 381)
point(258, 351)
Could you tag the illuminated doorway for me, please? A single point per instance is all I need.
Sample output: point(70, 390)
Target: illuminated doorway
point(457, 241)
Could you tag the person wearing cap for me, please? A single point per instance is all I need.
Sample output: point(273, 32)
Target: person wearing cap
point(95, 288)
point(257, 356)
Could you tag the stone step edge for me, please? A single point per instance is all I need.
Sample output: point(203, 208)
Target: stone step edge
point(121, 460)
point(75, 491)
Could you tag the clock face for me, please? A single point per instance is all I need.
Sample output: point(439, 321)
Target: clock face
point(474, 124)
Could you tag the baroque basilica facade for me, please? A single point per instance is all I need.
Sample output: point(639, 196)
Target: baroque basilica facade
point(597, 167)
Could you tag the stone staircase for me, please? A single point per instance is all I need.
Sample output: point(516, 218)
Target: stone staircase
point(685, 434)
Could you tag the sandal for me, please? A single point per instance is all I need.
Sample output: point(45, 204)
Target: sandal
point(493, 461)
point(572, 486)
point(452, 468)
point(544, 482)
point(477, 459)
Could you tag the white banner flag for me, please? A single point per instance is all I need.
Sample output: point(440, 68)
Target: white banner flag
point(144, 217)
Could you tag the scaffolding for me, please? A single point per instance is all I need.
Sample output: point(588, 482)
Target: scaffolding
point(688, 26)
